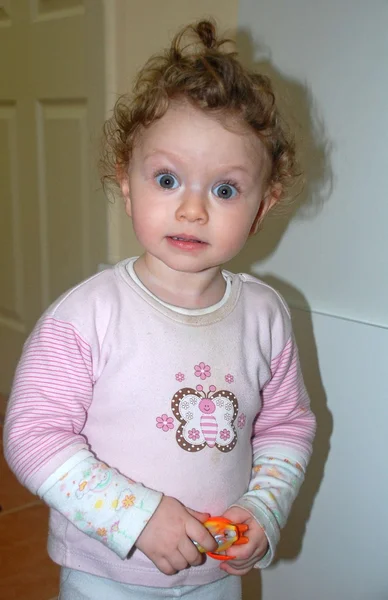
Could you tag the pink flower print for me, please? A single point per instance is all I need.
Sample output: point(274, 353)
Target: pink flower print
point(115, 526)
point(202, 370)
point(179, 377)
point(225, 434)
point(193, 434)
point(229, 378)
point(164, 422)
point(241, 420)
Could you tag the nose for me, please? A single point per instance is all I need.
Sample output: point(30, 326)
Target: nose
point(192, 208)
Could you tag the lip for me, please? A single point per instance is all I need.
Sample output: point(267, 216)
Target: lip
point(186, 237)
point(186, 242)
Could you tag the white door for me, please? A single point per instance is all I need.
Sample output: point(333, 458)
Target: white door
point(53, 212)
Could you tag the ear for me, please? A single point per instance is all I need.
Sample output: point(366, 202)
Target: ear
point(271, 197)
point(123, 180)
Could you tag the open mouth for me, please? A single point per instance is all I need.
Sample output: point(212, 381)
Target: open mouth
point(185, 239)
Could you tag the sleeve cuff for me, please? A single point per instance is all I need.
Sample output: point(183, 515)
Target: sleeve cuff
point(61, 471)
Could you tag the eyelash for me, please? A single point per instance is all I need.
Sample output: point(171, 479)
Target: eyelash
point(232, 183)
point(164, 172)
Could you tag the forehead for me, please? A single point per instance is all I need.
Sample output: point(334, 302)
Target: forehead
point(196, 134)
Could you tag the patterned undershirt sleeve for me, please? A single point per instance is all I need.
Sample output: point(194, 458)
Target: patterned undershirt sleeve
point(100, 502)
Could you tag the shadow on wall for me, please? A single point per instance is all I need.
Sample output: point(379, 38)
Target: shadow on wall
point(297, 105)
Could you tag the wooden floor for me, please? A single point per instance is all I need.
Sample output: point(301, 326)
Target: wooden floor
point(26, 572)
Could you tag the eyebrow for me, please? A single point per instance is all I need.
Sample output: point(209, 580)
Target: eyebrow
point(174, 156)
point(235, 168)
point(166, 153)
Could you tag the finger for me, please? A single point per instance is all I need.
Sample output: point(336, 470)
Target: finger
point(247, 551)
point(200, 516)
point(242, 564)
point(240, 567)
point(240, 561)
point(198, 533)
point(241, 552)
point(165, 566)
point(232, 571)
point(190, 552)
point(178, 561)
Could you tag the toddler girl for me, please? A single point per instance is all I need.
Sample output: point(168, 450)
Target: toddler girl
point(167, 389)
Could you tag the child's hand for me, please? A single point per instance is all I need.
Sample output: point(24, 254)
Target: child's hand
point(248, 554)
point(167, 538)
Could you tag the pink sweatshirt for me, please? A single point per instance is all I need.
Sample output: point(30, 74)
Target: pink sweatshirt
point(210, 409)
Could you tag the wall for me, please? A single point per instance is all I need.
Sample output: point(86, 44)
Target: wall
point(339, 50)
point(329, 62)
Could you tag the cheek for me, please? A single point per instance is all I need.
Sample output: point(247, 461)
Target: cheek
point(236, 228)
point(147, 221)
point(142, 225)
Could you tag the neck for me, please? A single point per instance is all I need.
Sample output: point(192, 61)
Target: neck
point(186, 290)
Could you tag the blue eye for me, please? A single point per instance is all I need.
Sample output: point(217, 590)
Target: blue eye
point(167, 181)
point(226, 191)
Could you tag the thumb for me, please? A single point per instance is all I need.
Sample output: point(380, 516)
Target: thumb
point(200, 516)
point(237, 514)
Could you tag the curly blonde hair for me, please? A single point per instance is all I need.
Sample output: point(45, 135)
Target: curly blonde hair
point(198, 69)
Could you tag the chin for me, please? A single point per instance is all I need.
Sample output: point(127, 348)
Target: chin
point(188, 266)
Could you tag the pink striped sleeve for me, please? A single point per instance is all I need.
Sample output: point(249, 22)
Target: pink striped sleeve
point(49, 401)
point(285, 419)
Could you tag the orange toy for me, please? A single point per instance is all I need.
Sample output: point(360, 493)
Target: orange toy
point(226, 534)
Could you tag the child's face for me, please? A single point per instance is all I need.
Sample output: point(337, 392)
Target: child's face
point(195, 190)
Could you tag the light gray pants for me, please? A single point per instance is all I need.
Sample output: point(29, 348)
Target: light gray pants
point(76, 585)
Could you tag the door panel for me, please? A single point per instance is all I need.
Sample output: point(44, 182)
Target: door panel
point(53, 212)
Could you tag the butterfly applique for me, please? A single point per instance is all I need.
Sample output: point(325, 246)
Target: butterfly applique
point(206, 419)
